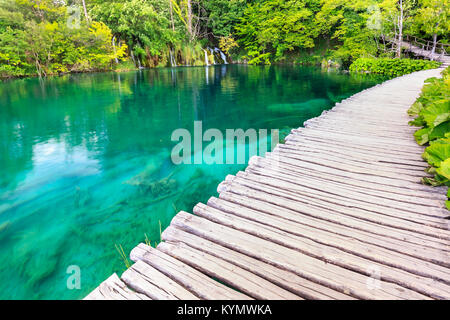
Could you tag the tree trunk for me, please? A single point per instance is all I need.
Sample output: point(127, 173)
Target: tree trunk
point(400, 30)
point(85, 11)
point(189, 22)
point(433, 49)
point(171, 15)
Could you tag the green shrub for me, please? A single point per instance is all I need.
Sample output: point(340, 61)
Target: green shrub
point(391, 67)
point(432, 112)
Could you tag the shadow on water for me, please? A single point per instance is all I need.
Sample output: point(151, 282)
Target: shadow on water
point(85, 159)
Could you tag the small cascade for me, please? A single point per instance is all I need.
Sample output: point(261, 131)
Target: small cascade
point(206, 57)
point(212, 54)
point(222, 55)
point(113, 41)
point(173, 62)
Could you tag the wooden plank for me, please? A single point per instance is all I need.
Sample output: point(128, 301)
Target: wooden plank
point(359, 159)
point(405, 271)
point(348, 167)
point(350, 208)
point(226, 272)
point(333, 213)
point(298, 152)
point(358, 174)
point(335, 277)
point(375, 237)
point(287, 280)
point(392, 158)
point(361, 187)
point(146, 280)
point(114, 289)
point(362, 147)
point(419, 213)
point(340, 251)
point(193, 280)
point(355, 180)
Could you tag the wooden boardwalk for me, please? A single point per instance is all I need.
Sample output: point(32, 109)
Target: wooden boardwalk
point(422, 48)
point(337, 212)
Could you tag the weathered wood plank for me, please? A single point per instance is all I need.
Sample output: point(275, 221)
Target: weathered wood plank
point(284, 198)
point(339, 250)
point(323, 209)
point(285, 279)
point(146, 280)
point(193, 280)
point(345, 178)
point(335, 277)
point(114, 289)
point(226, 272)
point(315, 226)
point(397, 209)
point(309, 212)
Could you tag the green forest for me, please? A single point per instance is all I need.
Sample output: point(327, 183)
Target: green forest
point(48, 37)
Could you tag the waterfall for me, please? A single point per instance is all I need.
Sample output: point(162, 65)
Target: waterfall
point(173, 62)
point(212, 53)
point(113, 41)
point(206, 57)
point(222, 55)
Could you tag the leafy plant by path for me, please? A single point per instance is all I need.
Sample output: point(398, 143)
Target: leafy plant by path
point(432, 111)
point(391, 67)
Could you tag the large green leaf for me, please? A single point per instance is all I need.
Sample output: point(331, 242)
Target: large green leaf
point(444, 169)
point(437, 153)
point(415, 108)
point(436, 113)
point(422, 135)
point(439, 131)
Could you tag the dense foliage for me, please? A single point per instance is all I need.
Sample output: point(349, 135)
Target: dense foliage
point(432, 111)
point(391, 67)
point(37, 39)
point(56, 36)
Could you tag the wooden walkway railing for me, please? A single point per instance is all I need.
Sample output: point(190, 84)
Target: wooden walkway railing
point(337, 212)
point(423, 48)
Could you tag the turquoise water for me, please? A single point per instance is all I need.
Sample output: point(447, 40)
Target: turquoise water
point(85, 159)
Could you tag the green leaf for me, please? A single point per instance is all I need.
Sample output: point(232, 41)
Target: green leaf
point(436, 113)
point(422, 135)
point(437, 153)
point(444, 169)
point(415, 108)
point(439, 131)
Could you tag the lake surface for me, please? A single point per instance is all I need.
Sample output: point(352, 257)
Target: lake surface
point(85, 159)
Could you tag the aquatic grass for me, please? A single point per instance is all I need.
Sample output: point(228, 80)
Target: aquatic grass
point(123, 256)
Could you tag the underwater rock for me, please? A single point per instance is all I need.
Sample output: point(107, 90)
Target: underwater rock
point(4, 230)
point(147, 176)
point(4, 226)
point(313, 104)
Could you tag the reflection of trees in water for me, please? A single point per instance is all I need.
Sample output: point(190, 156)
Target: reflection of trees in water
point(92, 109)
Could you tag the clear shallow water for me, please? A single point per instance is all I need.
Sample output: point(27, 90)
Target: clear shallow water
point(85, 159)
